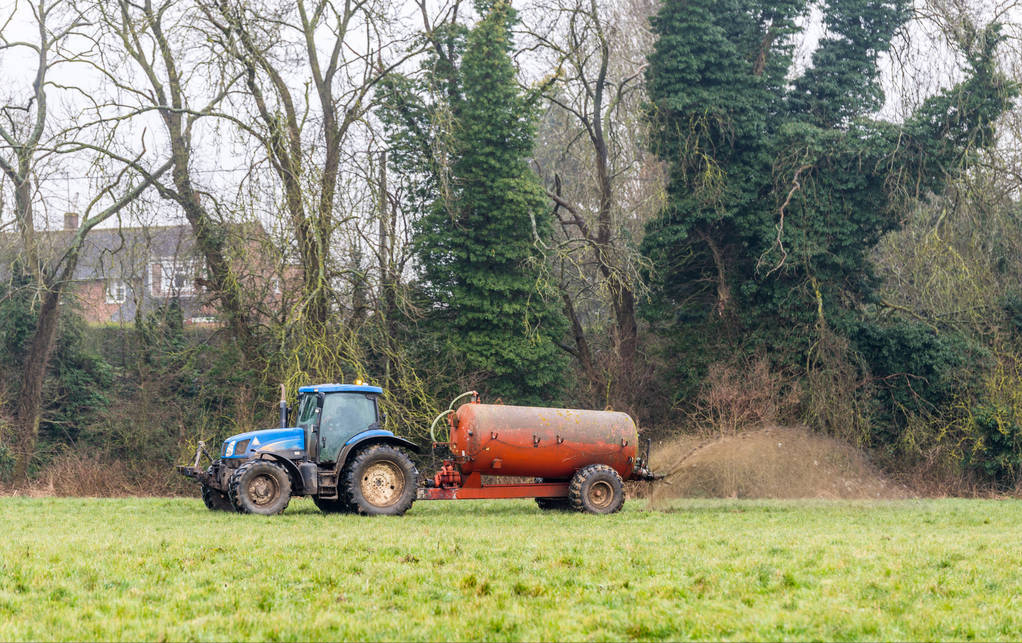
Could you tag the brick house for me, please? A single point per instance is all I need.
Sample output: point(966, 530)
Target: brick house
point(124, 272)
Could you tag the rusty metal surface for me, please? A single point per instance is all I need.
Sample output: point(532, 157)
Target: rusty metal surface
point(494, 491)
point(447, 476)
point(491, 439)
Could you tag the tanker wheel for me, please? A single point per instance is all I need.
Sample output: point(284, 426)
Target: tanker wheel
point(333, 506)
point(596, 489)
point(216, 500)
point(260, 487)
point(381, 481)
point(552, 504)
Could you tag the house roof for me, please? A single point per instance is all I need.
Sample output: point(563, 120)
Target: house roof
point(125, 252)
point(120, 253)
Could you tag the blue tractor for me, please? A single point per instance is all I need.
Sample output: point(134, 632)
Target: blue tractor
point(337, 452)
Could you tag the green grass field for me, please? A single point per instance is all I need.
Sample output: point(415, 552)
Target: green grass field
point(156, 569)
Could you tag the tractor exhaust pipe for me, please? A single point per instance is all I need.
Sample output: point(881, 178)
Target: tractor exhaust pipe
point(283, 407)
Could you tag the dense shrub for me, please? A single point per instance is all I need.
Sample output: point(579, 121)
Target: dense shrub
point(78, 389)
point(996, 450)
point(916, 372)
point(743, 395)
point(6, 464)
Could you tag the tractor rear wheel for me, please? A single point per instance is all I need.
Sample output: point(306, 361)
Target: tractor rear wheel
point(260, 487)
point(381, 481)
point(216, 500)
point(597, 489)
point(333, 506)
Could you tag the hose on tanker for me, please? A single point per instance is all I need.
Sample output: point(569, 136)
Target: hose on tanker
point(450, 407)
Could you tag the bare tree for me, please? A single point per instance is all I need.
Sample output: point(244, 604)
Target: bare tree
point(603, 182)
point(340, 49)
point(307, 75)
point(29, 141)
point(177, 78)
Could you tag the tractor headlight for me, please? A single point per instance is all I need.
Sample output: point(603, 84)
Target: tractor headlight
point(229, 451)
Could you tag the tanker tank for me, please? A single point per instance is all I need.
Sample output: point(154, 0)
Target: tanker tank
point(501, 440)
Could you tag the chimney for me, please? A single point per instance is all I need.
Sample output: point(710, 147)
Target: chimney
point(70, 221)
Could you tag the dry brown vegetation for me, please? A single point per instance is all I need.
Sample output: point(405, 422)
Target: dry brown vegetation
point(77, 475)
point(735, 396)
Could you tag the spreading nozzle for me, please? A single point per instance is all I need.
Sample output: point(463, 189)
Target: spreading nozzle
point(642, 473)
point(641, 470)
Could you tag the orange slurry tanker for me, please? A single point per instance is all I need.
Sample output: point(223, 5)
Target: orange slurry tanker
point(339, 454)
point(579, 458)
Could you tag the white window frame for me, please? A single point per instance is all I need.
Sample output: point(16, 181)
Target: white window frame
point(169, 270)
point(116, 291)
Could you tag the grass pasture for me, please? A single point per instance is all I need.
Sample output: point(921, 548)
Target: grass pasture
point(156, 569)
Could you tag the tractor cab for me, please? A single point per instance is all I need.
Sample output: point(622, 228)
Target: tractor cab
point(329, 416)
point(332, 415)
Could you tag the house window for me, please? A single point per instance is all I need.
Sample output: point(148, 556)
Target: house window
point(116, 291)
point(175, 277)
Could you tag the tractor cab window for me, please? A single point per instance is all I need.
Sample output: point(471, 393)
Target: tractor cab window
point(306, 411)
point(344, 416)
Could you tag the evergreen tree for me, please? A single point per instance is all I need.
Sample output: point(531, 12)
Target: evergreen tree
point(479, 246)
point(780, 187)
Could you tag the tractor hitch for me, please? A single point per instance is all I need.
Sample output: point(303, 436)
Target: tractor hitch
point(195, 471)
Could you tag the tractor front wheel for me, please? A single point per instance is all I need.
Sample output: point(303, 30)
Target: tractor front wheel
point(260, 487)
point(381, 481)
point(216, 500)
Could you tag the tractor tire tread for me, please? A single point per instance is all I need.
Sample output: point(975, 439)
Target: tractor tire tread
point(356, 464)
point(216, 500)
point(235, 483)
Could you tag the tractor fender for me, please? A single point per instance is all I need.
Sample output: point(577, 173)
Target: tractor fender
point(292, 470)
point(372, 436)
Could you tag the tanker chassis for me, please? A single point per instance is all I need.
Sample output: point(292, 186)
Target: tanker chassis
point(338, 454)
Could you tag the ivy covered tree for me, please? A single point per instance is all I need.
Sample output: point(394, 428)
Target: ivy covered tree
point(783, 180)
point(75, 391)
point(479, 248)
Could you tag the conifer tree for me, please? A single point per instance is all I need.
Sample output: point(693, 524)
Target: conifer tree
point(479, 248)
